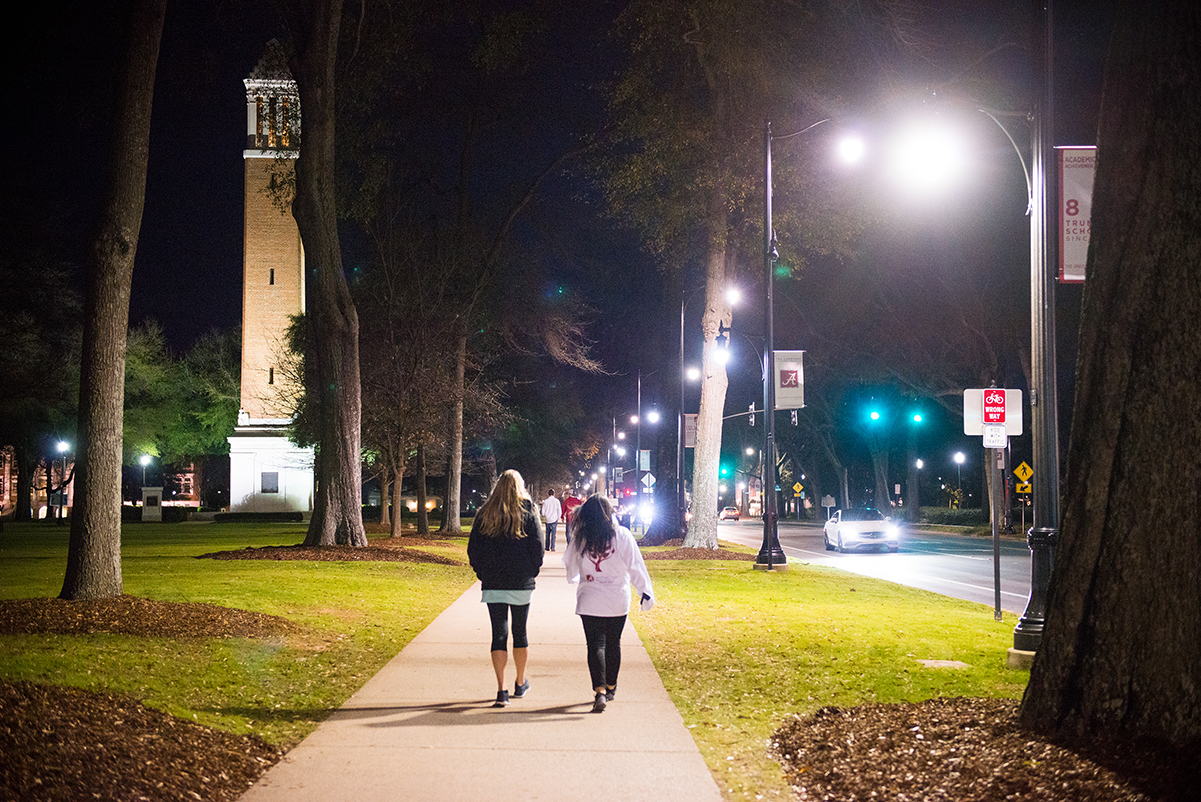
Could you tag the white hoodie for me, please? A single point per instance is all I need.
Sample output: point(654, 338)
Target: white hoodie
point(604, 582)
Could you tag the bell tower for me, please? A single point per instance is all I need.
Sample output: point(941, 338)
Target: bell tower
point(267, 472)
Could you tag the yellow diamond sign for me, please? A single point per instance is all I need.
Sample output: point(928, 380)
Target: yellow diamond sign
point(797, 488)
point(1023, 472)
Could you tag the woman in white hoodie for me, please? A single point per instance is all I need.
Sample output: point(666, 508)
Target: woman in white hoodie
point(603, 558)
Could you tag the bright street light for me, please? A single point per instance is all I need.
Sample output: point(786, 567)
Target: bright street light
point(63, 448)
point(851, 149)
point(926, 156)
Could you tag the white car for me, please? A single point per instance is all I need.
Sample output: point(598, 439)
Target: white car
point(851, 529)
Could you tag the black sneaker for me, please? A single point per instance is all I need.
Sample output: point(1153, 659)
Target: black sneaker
point(502, 699)
point(598, 704)
point(610, 693)
point(521, 690)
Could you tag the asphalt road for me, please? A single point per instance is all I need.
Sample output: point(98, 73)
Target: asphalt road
point(960, 566)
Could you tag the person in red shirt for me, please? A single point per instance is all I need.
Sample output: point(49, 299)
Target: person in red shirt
point(569, 506)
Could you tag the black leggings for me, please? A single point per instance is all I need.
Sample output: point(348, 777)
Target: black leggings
point(603, 635)
point(499, 613)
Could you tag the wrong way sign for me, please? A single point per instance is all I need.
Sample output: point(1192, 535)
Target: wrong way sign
point(986, 410)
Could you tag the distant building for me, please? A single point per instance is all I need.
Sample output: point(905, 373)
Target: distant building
point(267, 472)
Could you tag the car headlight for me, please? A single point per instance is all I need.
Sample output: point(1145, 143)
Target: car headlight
point(893, 531)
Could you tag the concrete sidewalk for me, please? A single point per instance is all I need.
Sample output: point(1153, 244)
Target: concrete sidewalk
point(423, 728)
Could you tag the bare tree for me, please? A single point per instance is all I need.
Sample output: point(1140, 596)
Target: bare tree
point(94, 553)
point(1119, 655)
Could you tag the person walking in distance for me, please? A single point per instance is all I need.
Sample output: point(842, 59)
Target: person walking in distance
point(552, 511)
point(603, 558)
point(505, 551)
point(570, 504)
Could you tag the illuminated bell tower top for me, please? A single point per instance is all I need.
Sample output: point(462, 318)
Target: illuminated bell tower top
point(272, 107)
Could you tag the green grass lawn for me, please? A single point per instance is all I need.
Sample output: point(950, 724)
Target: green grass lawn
point(740, 651)
point(354, 617)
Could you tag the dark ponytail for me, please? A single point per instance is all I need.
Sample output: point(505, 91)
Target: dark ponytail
point(592, 526)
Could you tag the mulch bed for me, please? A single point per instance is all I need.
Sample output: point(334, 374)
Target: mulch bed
point(130, 615)
point(680, 553)
point(66, 744)
point(966, 749)
point(378, 551)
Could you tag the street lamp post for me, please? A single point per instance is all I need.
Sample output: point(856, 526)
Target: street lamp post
point(63, 447)
point(1028, 634)
point(637, 420)
point(1044, 402)
point(144, 460)
point(959, 458)
point(681, 504)
point(770, 553)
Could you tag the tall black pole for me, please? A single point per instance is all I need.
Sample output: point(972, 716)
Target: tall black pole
point(681, 502)
point(638, 458)
point(770, 553)
point(1028, 634)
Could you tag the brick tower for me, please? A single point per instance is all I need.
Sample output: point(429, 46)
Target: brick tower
point(267, 472)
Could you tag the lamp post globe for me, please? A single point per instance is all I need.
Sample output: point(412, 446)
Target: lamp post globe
point(959, 459)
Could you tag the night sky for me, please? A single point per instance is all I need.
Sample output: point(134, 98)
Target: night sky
point(188, 270)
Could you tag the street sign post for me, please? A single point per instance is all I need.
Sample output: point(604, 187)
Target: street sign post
point(996, 415)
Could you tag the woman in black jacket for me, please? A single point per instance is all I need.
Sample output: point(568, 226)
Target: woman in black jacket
point(505, 550)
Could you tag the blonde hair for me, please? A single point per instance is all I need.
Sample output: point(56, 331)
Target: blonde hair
point(501, 515)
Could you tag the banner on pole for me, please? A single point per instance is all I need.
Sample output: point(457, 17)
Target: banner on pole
point(790, 379)
point(690, 431)
point(1076, 168)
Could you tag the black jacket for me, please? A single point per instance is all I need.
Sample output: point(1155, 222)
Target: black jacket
point(507, 563)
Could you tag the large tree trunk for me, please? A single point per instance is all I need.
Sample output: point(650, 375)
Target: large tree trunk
point(385, 495)
point(879, 454)
point(1123, 632)
point(27, 463)
point(454, 474)
point(702, 528)
point(423, 515)
point(333, 330)
point(398, 476)
point(94, 552)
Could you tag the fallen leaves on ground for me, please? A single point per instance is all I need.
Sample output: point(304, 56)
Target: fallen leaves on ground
point(373, 553)
point(966, 749)
point(680, 553)
point(66, 744)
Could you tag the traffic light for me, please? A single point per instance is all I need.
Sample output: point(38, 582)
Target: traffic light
point(752, 413)
point(725, 470)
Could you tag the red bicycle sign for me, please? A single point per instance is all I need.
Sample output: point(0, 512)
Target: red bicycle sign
point(994, 406)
